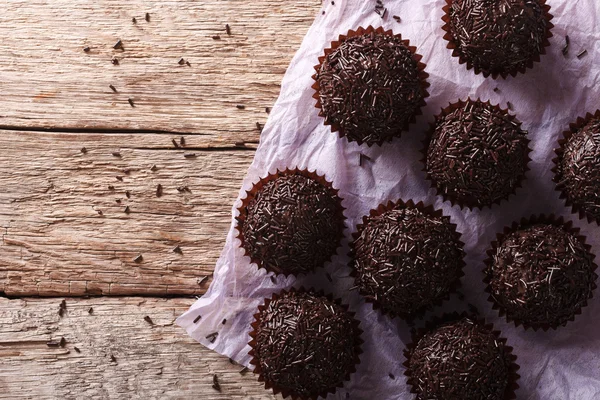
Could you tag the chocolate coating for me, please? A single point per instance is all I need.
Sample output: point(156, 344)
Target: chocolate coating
point(498, 37)
point(406, 260)
point(293, 224)
point(541, 275)
point(305, 344)
point(461, 360)
point(370, 87)
point(477, 154)
point(578, 170)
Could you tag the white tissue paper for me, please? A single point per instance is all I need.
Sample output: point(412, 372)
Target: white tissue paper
point(562, 364)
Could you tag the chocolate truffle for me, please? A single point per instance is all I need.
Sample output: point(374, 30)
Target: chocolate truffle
point(370, 86)
point(497, 37)
point(461, 360)
point(540, 274)
point(477, 154)
point(406, 258)
point(578, 169)
point(291, 222)
point(304, 344)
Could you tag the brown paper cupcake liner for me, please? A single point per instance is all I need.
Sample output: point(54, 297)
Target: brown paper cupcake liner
point(250, 194)
point(429, 210)
point(361, 31)
point(461, 60)
point(417, 335)
point(559, 151)
point(454, 200)
point(524, 223)
point(287, 393)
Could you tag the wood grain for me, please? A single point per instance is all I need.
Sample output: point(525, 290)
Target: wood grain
point(49, 81)
point(55, 242)
point(151, 361)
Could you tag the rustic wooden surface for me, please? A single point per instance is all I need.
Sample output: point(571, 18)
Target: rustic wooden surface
point(65, 229)
point(151, 361)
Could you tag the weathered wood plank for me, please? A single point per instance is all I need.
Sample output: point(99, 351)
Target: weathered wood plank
point(151, 361)
point(56, 242)
point(49, 81)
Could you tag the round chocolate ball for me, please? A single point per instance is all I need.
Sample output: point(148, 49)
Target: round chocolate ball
point(406, 259)
point(304, 344)
point(477, 154)
point(541, 275)
point(498, 37)
point(291, 222)
point(578, 169)
point(371, 87)
point(458, 361)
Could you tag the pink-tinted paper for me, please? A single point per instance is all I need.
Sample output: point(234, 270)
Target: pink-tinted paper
point(562, 364)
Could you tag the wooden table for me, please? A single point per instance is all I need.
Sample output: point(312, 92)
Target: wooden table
point(106, 166)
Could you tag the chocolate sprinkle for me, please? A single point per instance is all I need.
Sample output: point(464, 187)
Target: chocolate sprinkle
point(197, 319)
point(477, 154)
point(565, 49)
point(406, 258)
point(541, 275)
point(370, 87)
point(291, 224)
point(305, 343)
point(498, 37)
point(460, 360)
point(578, 168)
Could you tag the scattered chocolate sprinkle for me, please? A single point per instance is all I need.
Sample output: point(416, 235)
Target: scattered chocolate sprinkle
point(370, 87)
point(190, 155)
point(216, 37)
point(63, 342)
point(188, 63)
point(90, 310)
point(498, 38)
point(138, 259)
point(159, 190)
point(240, 106)
point(177, 249)
point(259, 126)
point(113, 358)
point(396, 18)
point(477, 154)
point(291, 223)
point(128, 194)
point(541, 275)
point(118, 45)
point(134, 20)
point(496, 90)
point(116, 154)
point(118, 201)
point(61, 312)
point(52, 343)
point(268, 110)
point(406, 258)
point(305, 343)
point(582, 54)
point(224, 321)
point(216, 385)
point(148, 320)
point(76, 349)
point(565, 49)
point(99, 212)
point(391, 376)
point(84, 150)
point(332, 3)
point(63, 305)
point(181, 61)
point(86, 49)
point(212, 337)
point(111, 187)
point(153, 168)
point(197, 318)
point(130, 100)
point(115, 61)
point(127, 210)
point(460, 360)
point(182, 141)
point(147, 17)
point(509, 105)
point(227, 29)
point(119, 178)
point(323, 13)
point(114, 89)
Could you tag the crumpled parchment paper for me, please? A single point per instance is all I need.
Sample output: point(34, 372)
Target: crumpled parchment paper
point(562, 364)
